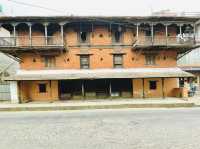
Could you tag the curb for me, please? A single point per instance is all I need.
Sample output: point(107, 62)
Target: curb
point(90, 107)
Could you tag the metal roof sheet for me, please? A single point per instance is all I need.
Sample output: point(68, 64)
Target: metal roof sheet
point(96, 18)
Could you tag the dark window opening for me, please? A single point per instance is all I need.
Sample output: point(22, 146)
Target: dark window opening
point(50, 61)
point(83, 37)
point(118, 60)
point(152, 85)
point(121, 87)
point(70, 89)
point(148, 33)
point(84, 62)
point(150, 59)
point(42, 88)
point(98, 88)
point(117, 36)
point(181, 82)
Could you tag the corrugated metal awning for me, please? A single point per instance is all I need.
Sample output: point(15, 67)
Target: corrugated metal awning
point(99, 74)
point(190, 68)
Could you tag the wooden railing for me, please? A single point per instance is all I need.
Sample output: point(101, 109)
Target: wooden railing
point(163, 41)
point(25, 41)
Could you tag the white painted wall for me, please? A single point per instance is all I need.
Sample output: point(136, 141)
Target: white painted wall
point(197, 32)
point(14, 92)
point(192, 58)
point(4, 32)
point(4, 91)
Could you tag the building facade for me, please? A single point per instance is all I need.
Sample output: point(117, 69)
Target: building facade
point(8, 66)
point(191, 63)
point(63, 58)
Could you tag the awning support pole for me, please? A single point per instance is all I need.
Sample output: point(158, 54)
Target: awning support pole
point(143, 94)
point(163, 92)
point(83, 89)
point(110, 89)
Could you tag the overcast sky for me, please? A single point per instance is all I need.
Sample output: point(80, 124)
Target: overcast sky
point(99, 7)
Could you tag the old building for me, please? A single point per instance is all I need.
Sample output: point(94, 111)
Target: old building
point(65, 58)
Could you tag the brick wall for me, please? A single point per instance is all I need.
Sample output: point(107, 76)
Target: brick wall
point(100, 57)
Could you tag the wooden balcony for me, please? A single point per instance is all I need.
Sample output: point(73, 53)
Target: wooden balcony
point(34, 41)
point(163, 42)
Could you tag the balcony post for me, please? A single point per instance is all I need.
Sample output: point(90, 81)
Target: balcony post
point(14, 33)
point(152, 35)
point(180, 29)
point(30, 34)
point(166, 33)
point(194, 33)
point(137, 31)
point(46, 33)
point(62, 34)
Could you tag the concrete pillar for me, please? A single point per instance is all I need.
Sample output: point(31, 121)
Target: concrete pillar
point(14, 92)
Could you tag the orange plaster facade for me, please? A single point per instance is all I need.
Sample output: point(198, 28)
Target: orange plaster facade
point(100, 57)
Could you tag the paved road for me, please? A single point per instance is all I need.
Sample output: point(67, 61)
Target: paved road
point(102, 129)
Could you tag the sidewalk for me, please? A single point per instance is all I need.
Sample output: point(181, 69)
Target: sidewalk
point(195, 100)
point(98, 104)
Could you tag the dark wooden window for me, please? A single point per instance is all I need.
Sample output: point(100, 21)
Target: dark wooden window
point(83, 37)
point(42, 88)
point(117, 36)
point(150, 59)
point(84, 61)
point(117, 60)
point(152, 85)
point(50, 61)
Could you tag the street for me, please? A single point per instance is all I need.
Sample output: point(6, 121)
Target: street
point(101, 129)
